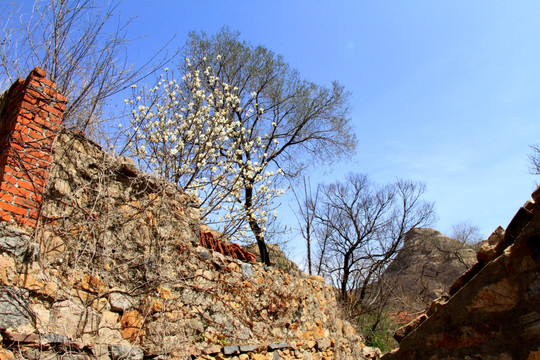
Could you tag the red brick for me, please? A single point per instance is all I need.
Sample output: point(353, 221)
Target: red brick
point(38, 72)
point(47, 82)
point(4, 216)
point(21, 127)
point(23, 184)
point(60, 106)
point(34, 134)
point(16, 173)
point(25, 105)
point(6, 197)
point(55, 94)
point(25, 202)
point(44, 164)
point(10, 179)
point(33, 214)
point(30, 99)
point(20, 135)
point(14, 209)
point(40, 183)
point(16, 146)
point(39, 153)
point(37, 198)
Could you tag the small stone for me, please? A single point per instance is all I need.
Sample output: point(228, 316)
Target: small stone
point(243, 357)
point(323, 343)
point(121, 302)
point(275, 356)
point(277, 346)
point(55, 339)
point(6, 355)
point(247, 271)
point(204, 253)
point(248, 348)
point(119, 352)
point(212, 349)
point(231, 350)
point(13, 307)
point(14, 241)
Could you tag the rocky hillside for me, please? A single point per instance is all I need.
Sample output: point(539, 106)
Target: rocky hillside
point(492, 311)
point(425, 267)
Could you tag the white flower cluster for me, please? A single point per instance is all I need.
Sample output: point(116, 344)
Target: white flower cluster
point(195, 132)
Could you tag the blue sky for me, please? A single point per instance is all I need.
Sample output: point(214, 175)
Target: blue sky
point(443, 92)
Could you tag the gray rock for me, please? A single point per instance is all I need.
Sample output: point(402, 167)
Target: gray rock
point(121, 302)
point(13, 307)
point(119, 352)
point(323, 343)
point(244, 333)
point(204, 253)
point(16, 242)
point(247, 271)
point(277, 346)
point(275, 356)
point(371, 352)
point(55, 338)
point(248, 348)
point(231, 350)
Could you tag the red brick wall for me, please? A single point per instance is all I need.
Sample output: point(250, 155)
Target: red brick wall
point(29, 122)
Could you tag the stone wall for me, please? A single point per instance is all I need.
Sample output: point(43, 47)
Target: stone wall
point(114, 269)
point(493, 310)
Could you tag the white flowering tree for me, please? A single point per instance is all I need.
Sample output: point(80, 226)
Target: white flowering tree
point(238, 123)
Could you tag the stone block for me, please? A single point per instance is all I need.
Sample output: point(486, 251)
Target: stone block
point(231, 350)
point(248, 348)
point(121, 302)
point(278, 346)
point(119, 352)
point(13, 307)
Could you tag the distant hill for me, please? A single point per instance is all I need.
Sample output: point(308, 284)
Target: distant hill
point(427, 264)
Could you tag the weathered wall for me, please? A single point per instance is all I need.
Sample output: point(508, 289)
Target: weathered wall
point(115, 270)
point(493, 310)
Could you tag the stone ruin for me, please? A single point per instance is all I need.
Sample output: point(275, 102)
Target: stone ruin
point(101, 261)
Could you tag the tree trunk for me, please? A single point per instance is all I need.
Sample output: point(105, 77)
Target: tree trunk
point(255, 228)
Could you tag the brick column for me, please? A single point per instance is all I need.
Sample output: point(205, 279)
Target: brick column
point(29, 122)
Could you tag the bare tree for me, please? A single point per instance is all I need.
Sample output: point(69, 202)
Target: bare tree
point(466, 233)
point(534, 159)
point(306, 218)
point(368, 224)
point(82, 46)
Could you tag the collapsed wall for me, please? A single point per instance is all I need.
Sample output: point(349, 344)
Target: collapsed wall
point(114, 269)
point(493, 310)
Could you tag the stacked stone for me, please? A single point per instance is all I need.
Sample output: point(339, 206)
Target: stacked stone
point(121, 270)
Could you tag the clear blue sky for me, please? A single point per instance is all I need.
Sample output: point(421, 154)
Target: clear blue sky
point(444, 92)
